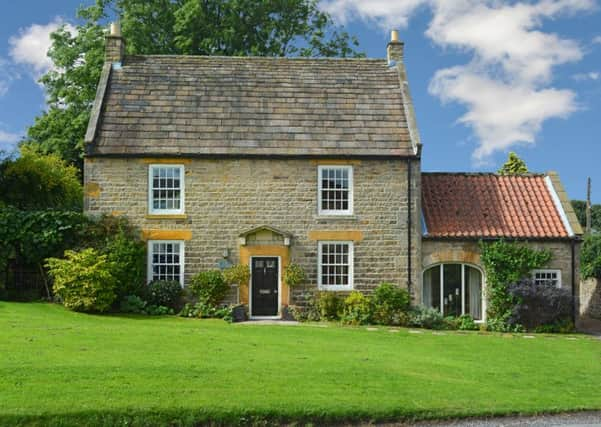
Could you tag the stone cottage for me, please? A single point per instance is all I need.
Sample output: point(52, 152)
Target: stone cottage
point(268, 161)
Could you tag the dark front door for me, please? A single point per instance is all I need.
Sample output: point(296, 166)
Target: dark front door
point(264, 287)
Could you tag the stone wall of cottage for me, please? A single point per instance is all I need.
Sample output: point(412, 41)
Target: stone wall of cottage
point(441, 251)
point(225, 197)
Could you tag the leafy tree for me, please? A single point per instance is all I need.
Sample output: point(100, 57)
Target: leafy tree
point(513, 166)
point(34, 181)
point(580, 210)
point(590, 256)
point(186, 27)
point(32, 236)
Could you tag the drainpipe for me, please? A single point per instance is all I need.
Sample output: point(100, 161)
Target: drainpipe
point(409, 227)
point(574, 313)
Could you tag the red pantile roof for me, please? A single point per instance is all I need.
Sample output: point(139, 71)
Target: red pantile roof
point(489, 205)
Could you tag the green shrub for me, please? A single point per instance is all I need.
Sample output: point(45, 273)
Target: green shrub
point(391, 305)
point(317, 307)
point(467, 323)
point(357, 309)
point(426, 317)
point(158, 310)
point(565, 326)
point(83, 280)
point(209, 287)
point(539, 304)
point(307, 310)
point(506, 263)
point(201, 310)
point(329, 305)
point(133, 304)
point(236, 274)
point(165, 293)
point(294, 275)
point(136, 305)
point(127, 256)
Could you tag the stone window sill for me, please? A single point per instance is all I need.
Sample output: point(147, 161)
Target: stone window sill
point(336, 217)
point(160, 217)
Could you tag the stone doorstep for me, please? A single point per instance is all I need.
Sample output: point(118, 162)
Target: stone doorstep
point(269, 322)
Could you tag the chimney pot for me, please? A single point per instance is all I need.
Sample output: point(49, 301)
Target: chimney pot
point(115, 29)
point(394, 50)
point(115, 45)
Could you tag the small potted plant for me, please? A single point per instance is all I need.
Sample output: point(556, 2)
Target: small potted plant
point(237, 275)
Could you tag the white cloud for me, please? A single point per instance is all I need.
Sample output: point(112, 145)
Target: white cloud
point(30, 46)
point(7, 75)
point(8, 140)
point(506, 85)
point(591, 75)
point(597, 40)
point(500, 114)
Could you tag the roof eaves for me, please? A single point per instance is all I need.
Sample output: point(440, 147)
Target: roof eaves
point(98, 102)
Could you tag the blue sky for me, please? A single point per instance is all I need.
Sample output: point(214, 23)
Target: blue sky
point(487, 76)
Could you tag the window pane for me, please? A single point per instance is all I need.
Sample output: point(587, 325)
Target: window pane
point(452, 290)
point(335, 192)
point(166, 262)
point(166, 185)
point(473, 293)
point(432, 287)
point(334, 267)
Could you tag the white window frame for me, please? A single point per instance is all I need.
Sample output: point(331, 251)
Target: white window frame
point(335, 212)
point(351, 253)
point(182, 173)
point(547, 271)
point(463, 265)
point(182, 259)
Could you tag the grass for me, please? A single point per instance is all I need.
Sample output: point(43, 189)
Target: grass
point(64, 368)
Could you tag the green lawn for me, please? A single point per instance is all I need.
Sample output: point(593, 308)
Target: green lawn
point(59, 367)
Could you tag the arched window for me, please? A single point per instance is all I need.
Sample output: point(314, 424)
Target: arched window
point(454, 289)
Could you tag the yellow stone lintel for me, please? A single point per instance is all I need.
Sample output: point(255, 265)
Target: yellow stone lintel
point(166, 234)
point(166, 161)
point(336, 162)
point(351, 235)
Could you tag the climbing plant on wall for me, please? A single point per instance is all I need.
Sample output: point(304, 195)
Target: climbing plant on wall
point(506, 263)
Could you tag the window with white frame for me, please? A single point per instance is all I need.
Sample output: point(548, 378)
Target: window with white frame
point(547, 276)
point(335, 265)
point(166, 260)
point(454, 290)
point(166, 189)
point(335, 192)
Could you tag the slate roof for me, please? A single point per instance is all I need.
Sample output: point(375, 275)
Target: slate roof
point(195, 105)
point(460, 205)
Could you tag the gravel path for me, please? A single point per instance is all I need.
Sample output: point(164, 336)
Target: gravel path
point(578, 419)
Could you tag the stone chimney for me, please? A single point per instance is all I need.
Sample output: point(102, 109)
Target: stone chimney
point(395, 49)
point(115, 45)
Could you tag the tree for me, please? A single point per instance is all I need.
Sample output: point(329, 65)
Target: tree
point(580, 210)
point(185, 27)
point(513, 166)
point(34, 181)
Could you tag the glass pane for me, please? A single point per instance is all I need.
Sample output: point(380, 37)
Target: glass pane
point(473, 293)
point(432, 288)
point(452, 290)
